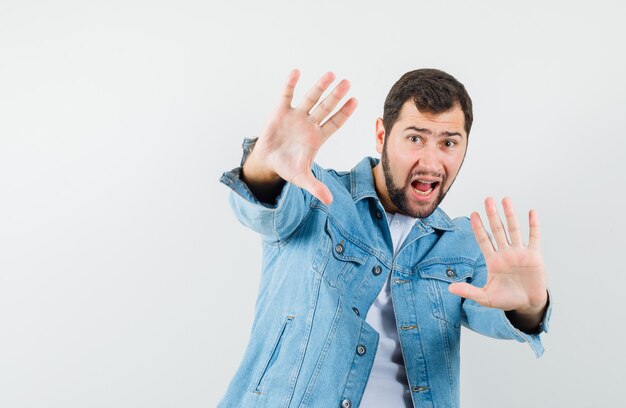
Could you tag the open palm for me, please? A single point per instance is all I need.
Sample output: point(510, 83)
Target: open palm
point(293, 135)
point(516, 277)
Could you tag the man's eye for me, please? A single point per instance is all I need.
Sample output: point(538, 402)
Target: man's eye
point(414, 139)
point(450, 143)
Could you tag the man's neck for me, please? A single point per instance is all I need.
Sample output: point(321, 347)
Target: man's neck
point(381, 189)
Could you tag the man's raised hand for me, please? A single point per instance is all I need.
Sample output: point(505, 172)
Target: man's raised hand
point(293, 135)
point(516, 276)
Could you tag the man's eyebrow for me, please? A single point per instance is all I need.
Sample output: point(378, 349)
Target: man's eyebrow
point(429, 132)
point(419, 129)
point(446, 133)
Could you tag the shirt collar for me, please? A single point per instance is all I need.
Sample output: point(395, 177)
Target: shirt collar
point(362, 186)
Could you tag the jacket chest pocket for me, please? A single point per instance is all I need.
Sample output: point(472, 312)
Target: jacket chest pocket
point(437, 277)
point(337, 257)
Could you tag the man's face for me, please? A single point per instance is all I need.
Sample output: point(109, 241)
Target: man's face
point(421, 157)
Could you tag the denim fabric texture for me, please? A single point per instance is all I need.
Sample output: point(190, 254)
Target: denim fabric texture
point(322, 268)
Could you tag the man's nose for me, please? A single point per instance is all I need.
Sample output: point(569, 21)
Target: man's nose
point(428, 160)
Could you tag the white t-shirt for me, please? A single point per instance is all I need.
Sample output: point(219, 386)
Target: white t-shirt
point(387, 385)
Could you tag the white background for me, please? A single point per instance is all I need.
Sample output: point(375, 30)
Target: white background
point(125, 281)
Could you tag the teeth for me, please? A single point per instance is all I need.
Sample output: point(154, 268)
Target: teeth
point(424, 193)
point(426, 181)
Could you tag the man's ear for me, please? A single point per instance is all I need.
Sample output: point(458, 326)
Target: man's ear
point(380, 135)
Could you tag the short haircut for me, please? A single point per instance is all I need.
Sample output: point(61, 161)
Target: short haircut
point(432, 90)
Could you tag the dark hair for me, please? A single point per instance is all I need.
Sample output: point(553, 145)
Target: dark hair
point(432, 90)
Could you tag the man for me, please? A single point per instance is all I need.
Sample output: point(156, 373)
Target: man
point(365, 281)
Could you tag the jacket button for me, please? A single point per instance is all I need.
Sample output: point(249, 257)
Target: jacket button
point(339, 248)
point(418, 388)
point(346, 403)
point(379, 215)
point(356, 311)
point(377, 270)
point(450, 273)
point(360, 349)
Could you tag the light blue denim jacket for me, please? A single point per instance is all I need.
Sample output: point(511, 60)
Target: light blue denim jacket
point(323, 266)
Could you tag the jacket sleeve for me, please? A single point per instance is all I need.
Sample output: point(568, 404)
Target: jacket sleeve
point(275, 222)
point(494, 323)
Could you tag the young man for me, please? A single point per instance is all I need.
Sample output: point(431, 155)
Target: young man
point(365, 281)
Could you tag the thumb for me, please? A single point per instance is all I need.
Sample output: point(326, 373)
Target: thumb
point(465, 290)
point(317, 189)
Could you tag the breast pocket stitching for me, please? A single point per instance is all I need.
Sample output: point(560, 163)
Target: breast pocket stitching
point(439, 275)
point(337, 256)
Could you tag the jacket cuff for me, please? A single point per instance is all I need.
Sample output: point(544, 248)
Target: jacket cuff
point(232, 179)
point(533, 339)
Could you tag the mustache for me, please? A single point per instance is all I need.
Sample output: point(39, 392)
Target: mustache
point(426, 173)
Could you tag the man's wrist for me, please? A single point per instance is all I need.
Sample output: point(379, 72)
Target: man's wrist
point(264, 183)
point(256, 171)
point(531, 311)
point(529, 320)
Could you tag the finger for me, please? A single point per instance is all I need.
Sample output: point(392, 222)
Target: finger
point(467, 291)
point(328, 104)
point(339, 118)
point(511, 222)
point(317, 189)
point(495, 223)
point(292, 80)
point(484, 242)
point(534, 239)
point(313, 95)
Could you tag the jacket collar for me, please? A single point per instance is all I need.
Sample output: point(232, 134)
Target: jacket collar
point(362, 186)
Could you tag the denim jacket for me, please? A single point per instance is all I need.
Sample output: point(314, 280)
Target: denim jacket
point(323, 266)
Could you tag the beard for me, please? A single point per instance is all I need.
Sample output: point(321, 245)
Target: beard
point(400, 194)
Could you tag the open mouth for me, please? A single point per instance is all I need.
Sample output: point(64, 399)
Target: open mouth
point(424, 187)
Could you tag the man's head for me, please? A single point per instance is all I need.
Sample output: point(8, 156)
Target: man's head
point(422, 138)
point(432, 91)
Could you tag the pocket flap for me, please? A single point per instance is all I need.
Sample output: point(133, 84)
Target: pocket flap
point(343, 248)
point(448, 272)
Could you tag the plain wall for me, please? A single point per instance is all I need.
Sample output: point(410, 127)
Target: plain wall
point(125, 280)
